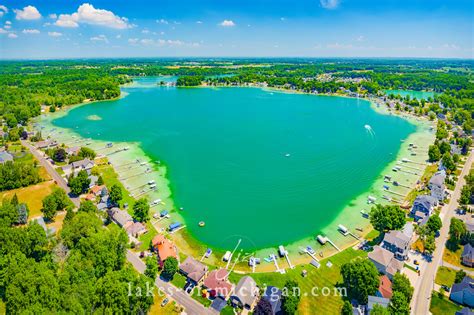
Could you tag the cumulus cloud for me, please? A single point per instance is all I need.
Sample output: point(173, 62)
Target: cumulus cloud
point(227, 23)
point(30, 31)
point(3, 10)
point(161, 42)
point(329, 4)
point(360, 38)
point(87, 14)
point(3, 31)
point(162, 21)
point(12, 35)
point(28, 13)
point(53, 16)
point(55, 34)
point(99, 38)
point(198, 22)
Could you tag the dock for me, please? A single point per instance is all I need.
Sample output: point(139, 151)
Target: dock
point(288, 258)
point(304, 250)
point(332, 243)
point(176, 230)
point(276, 264)
point(232, 254)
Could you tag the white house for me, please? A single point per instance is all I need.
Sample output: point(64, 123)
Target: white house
point(437, 186)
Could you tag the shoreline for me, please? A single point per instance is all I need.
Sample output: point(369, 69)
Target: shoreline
point(190, 245)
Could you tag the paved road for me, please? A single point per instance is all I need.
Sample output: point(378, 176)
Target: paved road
point(51, 170)
point(422, 295)
point(190, 305)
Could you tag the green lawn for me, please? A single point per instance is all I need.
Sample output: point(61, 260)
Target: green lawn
point(178, 280)
point(316, 278)
point(454, 258)
point(442, 306)
point(227, 311)
point(445, 276)
point(110, 178)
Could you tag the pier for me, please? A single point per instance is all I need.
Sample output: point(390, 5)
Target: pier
point(276, 264)
point(304, 250)
point(332, 243)
point(232, 253)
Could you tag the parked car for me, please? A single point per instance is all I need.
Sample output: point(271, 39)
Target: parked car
point(165, 301)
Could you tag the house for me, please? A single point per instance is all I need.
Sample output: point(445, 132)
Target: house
point(5, 156)
point(246, 293)
point(218, 304)
point(385, 261)
point(455, 149)
point(76, 167)
point(72, 151)
point(121, 217)
point(217, 284)
point(398, 242)
point(436, 185)
point(274, 295)
point(135, 229)
point(465, 311)
point(463, 292)
point(385, 287)
point(467, 255)
point(423, 207)
point(374, 300)
point(164, 248)
point(90, 197)
point(99, 190)
point(46, 144)
point(194, 270)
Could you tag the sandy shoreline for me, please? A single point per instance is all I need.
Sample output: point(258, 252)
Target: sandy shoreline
point(350, 216)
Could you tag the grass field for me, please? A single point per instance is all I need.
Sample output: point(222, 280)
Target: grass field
point(445, 276)
point(33, 196)
point(170, 308)
point(110, 178)
point(316, 279)
point(442, 306)
point(427, 174)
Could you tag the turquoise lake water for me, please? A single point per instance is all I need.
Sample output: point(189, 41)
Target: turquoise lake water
point(268, 167)
point(413, 94)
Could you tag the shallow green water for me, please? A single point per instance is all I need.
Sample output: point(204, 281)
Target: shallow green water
point(413, 94)
point(267, 167)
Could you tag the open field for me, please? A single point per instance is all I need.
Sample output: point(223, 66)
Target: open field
point(33, 196)
point(454, 258)
point(442, 306)
point(168, 309)
point(445, 276)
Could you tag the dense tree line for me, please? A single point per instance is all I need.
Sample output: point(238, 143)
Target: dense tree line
point(190, 80)
point(14, 174)
point(81, 271)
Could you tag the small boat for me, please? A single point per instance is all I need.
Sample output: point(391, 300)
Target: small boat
point(202, 223)
point(287, 155)
point(208, 253)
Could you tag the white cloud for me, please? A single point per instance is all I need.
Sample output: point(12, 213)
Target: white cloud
point(99, 38)
point(282, 19)
point(198, 22)
point(53, 16)
point(133, 41)
point(55, 34)
point(3, 31)
point(162, 42)
point(8, 26)
point(12, 35)
point(329, 4)
point(360, 38)
point(145, 31)
point(30, 31)
point(227, 23)
point(28, 13)
point(162, 21)
point(3, 10)
point(87, 14)
point(118, 36)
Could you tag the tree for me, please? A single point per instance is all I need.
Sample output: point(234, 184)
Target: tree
point(457, 229)
point(14, 200)
point(460, 274)
point(80, 183)
point(448, 163)
point(361, 279)
point(59, 155)
point(434, 223)
point(387, 217)
point(23, 213)
point(398, 304)
point(87, 206)
point(100, 181)
point(151, 267)
point(141, 210)
point(115, 194)
point(291, 297)
point(402, 284)
point(86, 152)
point(170, 267)
point(263, 307)
point(379, 310)
point(346, 308)
point(50, 207)
point(433, 153)
point(430, 244)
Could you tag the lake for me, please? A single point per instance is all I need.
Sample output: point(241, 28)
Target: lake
point(264, 166)
point(413, 94)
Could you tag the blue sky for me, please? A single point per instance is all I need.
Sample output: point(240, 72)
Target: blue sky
point(272, 28)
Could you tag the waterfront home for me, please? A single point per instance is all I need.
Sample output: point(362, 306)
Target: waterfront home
point(423, 207)
point(135, 229)
point(245, 294)
point(99, 190)
point(463, 292)
point(374, 300)
point(467, 255)
point(46, 144)
point(194, 270)
point(385, 261)
point(121, 217)
point(274, 295)
point(217, 284)
point(455, 149)
point(72, 151)
point(465, 311)
point(436, 185)
point(385, 287)
point(398, 242)
point(76, 167)
point(164, 248)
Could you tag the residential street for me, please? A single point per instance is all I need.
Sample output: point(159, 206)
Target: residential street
point(422, 294)
point(50, 169)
